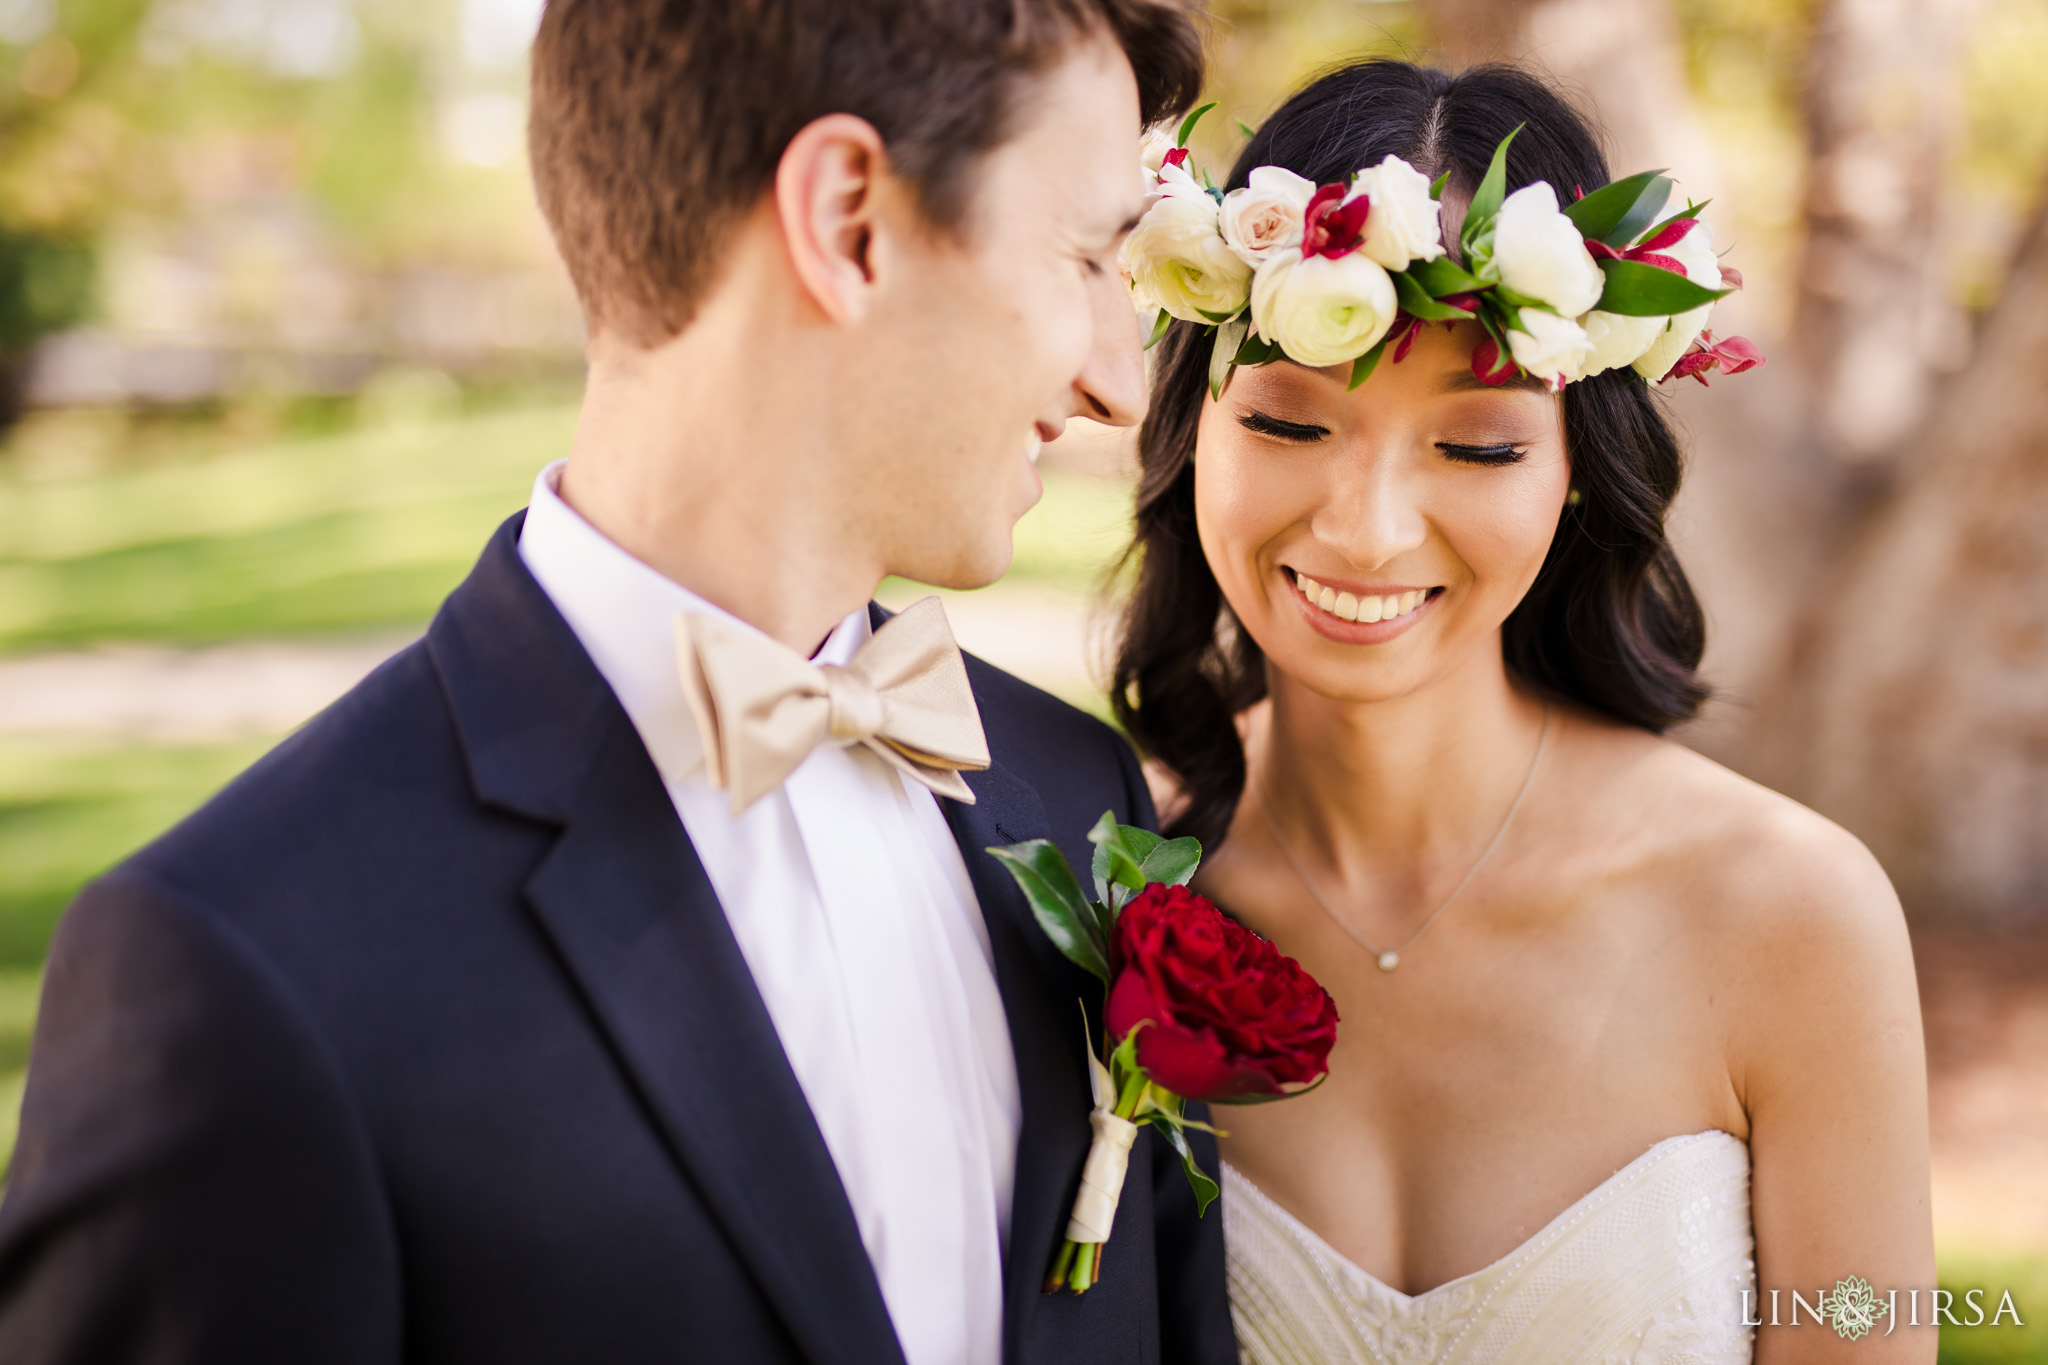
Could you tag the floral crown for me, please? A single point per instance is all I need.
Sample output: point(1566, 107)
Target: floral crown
point(1330, 274)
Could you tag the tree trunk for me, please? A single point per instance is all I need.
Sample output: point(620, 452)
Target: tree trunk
point(1875, 324)
point(1919, 715)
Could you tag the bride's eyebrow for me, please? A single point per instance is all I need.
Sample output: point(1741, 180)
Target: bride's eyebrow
point(1464, 381)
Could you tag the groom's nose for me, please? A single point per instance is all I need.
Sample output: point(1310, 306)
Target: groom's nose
point(1111, 385)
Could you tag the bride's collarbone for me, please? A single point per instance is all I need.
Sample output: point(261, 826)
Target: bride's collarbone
point(1503, 1070)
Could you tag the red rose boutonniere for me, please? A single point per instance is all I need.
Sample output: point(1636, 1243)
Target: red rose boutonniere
point(1199, 1008)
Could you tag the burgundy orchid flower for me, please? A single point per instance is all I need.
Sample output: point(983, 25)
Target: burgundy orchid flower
point(1492, 368)
point(1330, 226)
point(1649, 252)
point(1731, 356)
point(1403, 333)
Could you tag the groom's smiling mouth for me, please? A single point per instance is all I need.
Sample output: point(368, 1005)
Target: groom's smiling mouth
point(1354, 604)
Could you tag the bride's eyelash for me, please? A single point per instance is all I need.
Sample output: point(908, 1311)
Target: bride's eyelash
point(1302, 432)
point(1493, 454)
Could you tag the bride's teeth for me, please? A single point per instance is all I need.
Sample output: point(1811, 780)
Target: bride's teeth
point(1351, 607)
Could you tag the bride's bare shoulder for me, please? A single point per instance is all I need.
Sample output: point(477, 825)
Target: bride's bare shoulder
point(1737, 854)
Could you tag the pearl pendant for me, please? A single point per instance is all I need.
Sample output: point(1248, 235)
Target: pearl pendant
point(1389, 961)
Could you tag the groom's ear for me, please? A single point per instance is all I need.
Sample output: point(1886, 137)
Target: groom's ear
point(827, 191)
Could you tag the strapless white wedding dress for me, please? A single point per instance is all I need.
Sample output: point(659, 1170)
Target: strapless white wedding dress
point(1648, 1269)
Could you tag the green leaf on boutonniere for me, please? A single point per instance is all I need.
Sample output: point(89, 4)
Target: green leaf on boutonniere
point(1187, 125)
point(1056, 902)
point(1417, 301)
point(1243, 1100)
point(1159, 326)
point(1493, 189)
point(1172, 862)
point(1637, 290)
point(1362, 368)
point(1119, 863)
point(1601, 214)
point(1198, 1180)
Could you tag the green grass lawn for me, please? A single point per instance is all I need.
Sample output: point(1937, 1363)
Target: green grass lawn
point(2027, 1278)
point(338, 532)
point(356, 531)
point(69, 808)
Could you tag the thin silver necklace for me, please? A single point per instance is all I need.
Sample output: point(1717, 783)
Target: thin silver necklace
point(1390, 958)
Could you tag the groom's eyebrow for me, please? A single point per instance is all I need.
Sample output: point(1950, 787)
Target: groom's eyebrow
point(1131, 221)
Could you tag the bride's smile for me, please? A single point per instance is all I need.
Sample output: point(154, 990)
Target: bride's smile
point(1406, 516)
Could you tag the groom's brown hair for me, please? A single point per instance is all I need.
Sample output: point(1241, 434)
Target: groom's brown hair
point(656, 124)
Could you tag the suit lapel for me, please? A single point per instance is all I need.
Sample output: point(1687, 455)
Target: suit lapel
point(628, 906)
point(1043, 995)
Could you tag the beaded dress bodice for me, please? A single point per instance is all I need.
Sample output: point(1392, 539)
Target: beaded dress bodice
point(1647, 1269)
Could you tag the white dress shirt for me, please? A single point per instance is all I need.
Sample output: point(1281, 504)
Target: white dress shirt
point(853, 908)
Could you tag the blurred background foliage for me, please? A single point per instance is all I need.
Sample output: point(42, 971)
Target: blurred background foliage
point(282, 338)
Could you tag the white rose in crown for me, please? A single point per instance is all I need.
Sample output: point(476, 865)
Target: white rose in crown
point(1549, 347)
point(1178, 260)
point(1695, 251)
point(1324, 310)
point(1538, 251)
point(1403, 226)
point(1153, 147)
point(1615, 340)
point(1265, 216)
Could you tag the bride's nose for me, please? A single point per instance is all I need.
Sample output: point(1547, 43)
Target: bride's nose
point(1372, 513)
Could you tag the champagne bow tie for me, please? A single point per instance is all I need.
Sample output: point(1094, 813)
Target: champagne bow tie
point(762, 708)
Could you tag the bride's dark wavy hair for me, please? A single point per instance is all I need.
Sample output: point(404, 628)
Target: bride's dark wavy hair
point(1609, 623)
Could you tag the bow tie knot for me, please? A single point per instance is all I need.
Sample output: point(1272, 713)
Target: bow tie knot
point(857, 709)
point(761, 707)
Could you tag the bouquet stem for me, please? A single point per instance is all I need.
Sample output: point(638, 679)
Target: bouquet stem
point(1079, 1264)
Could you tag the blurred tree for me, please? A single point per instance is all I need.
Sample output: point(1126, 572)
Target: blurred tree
point(1619, 59)
point(1875, 320)
point(45, 286)
point(1918, 709)
point(56, 65)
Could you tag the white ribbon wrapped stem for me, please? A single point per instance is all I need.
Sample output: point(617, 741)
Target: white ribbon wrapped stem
point(1102, 1178)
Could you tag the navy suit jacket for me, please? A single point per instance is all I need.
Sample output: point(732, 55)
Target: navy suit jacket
point(427, 1040)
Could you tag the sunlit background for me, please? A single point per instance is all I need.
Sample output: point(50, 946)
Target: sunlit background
point(282, 338)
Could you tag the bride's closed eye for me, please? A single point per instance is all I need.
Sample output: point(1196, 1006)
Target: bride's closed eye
point(1302, 433)
point(1494, 454)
